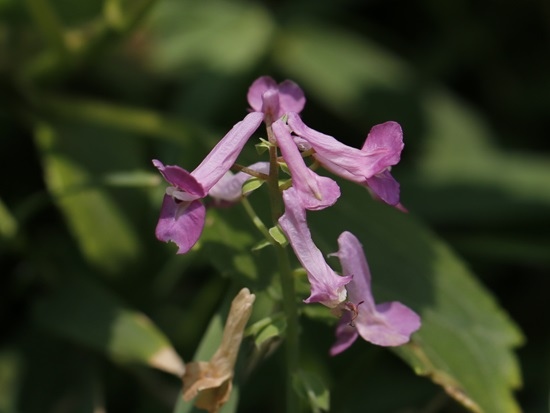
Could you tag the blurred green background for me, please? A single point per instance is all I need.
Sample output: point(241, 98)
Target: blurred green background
point(91, 91)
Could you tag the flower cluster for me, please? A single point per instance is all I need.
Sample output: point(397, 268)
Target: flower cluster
point(278, 106)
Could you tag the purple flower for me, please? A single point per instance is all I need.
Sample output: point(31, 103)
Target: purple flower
point(386, 324)
point(229, 188)
point(315, 192)
point(327, 287)
point(274, 100)
point(182, 213)
point(368, 166)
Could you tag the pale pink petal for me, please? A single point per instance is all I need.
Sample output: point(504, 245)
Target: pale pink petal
point(291, 96)
point(386, 142)
point(353, 262)
point(351, 159)
point(265, 95)
point(271, 106)
point(367, 166)
point(386, 324)
point(315, 192)
point(229, 188)
point(257, 90)
point(390, 325)
point(327, 287)
point(345, 335)
point(222, 157)
point(180, 222)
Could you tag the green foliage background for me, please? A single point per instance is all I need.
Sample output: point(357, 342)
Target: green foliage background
point(91, 91)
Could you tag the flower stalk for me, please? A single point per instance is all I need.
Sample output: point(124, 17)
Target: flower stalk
point(292, 344)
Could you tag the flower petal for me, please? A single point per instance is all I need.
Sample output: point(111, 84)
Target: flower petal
point(386, 142)
point(229, 188)
point(180, 178)
point(264, 95)
point(315, 192)
point(345, 335)
point(180, 222)
point(382, 149)
point(353, 262)
point(387, 324)
point(270, 106)
point(390, 325)
point(384, 187)
point(257, 90)
point(222, 157)
point(291, 97)
point(327, 287)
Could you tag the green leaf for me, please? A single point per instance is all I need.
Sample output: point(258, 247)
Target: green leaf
point(85, 312)
point(132, 179)
point(101, 227)
point(267, 329)
point(284, 168)
point(278, 235)
point(465, 340)
point(472, 180)
point(261, 245)
point(223, 36)
point(310, 387)
point(251, 185)
point(360, 65)
point(262, 147)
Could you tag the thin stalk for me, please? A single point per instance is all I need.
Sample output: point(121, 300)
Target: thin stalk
point(287, 283)
point(258, 223)
point(273, 181)
point(292, 339)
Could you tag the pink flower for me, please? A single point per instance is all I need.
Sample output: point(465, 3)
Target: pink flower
point(327, 287)
point(368, 166)
point(314, 192)
point(386, 324)
point(182, 213)
point(274, 100)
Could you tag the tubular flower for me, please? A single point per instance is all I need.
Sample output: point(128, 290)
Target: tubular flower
point(274, 100)
point(368, 166)
point(182, 213)
point(386, 324)
point(315, 192)
point(327, 287)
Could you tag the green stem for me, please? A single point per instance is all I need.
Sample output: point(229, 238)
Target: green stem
point(256, 220)
point(273, 181)
point(292, 339)
point(287, 284)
